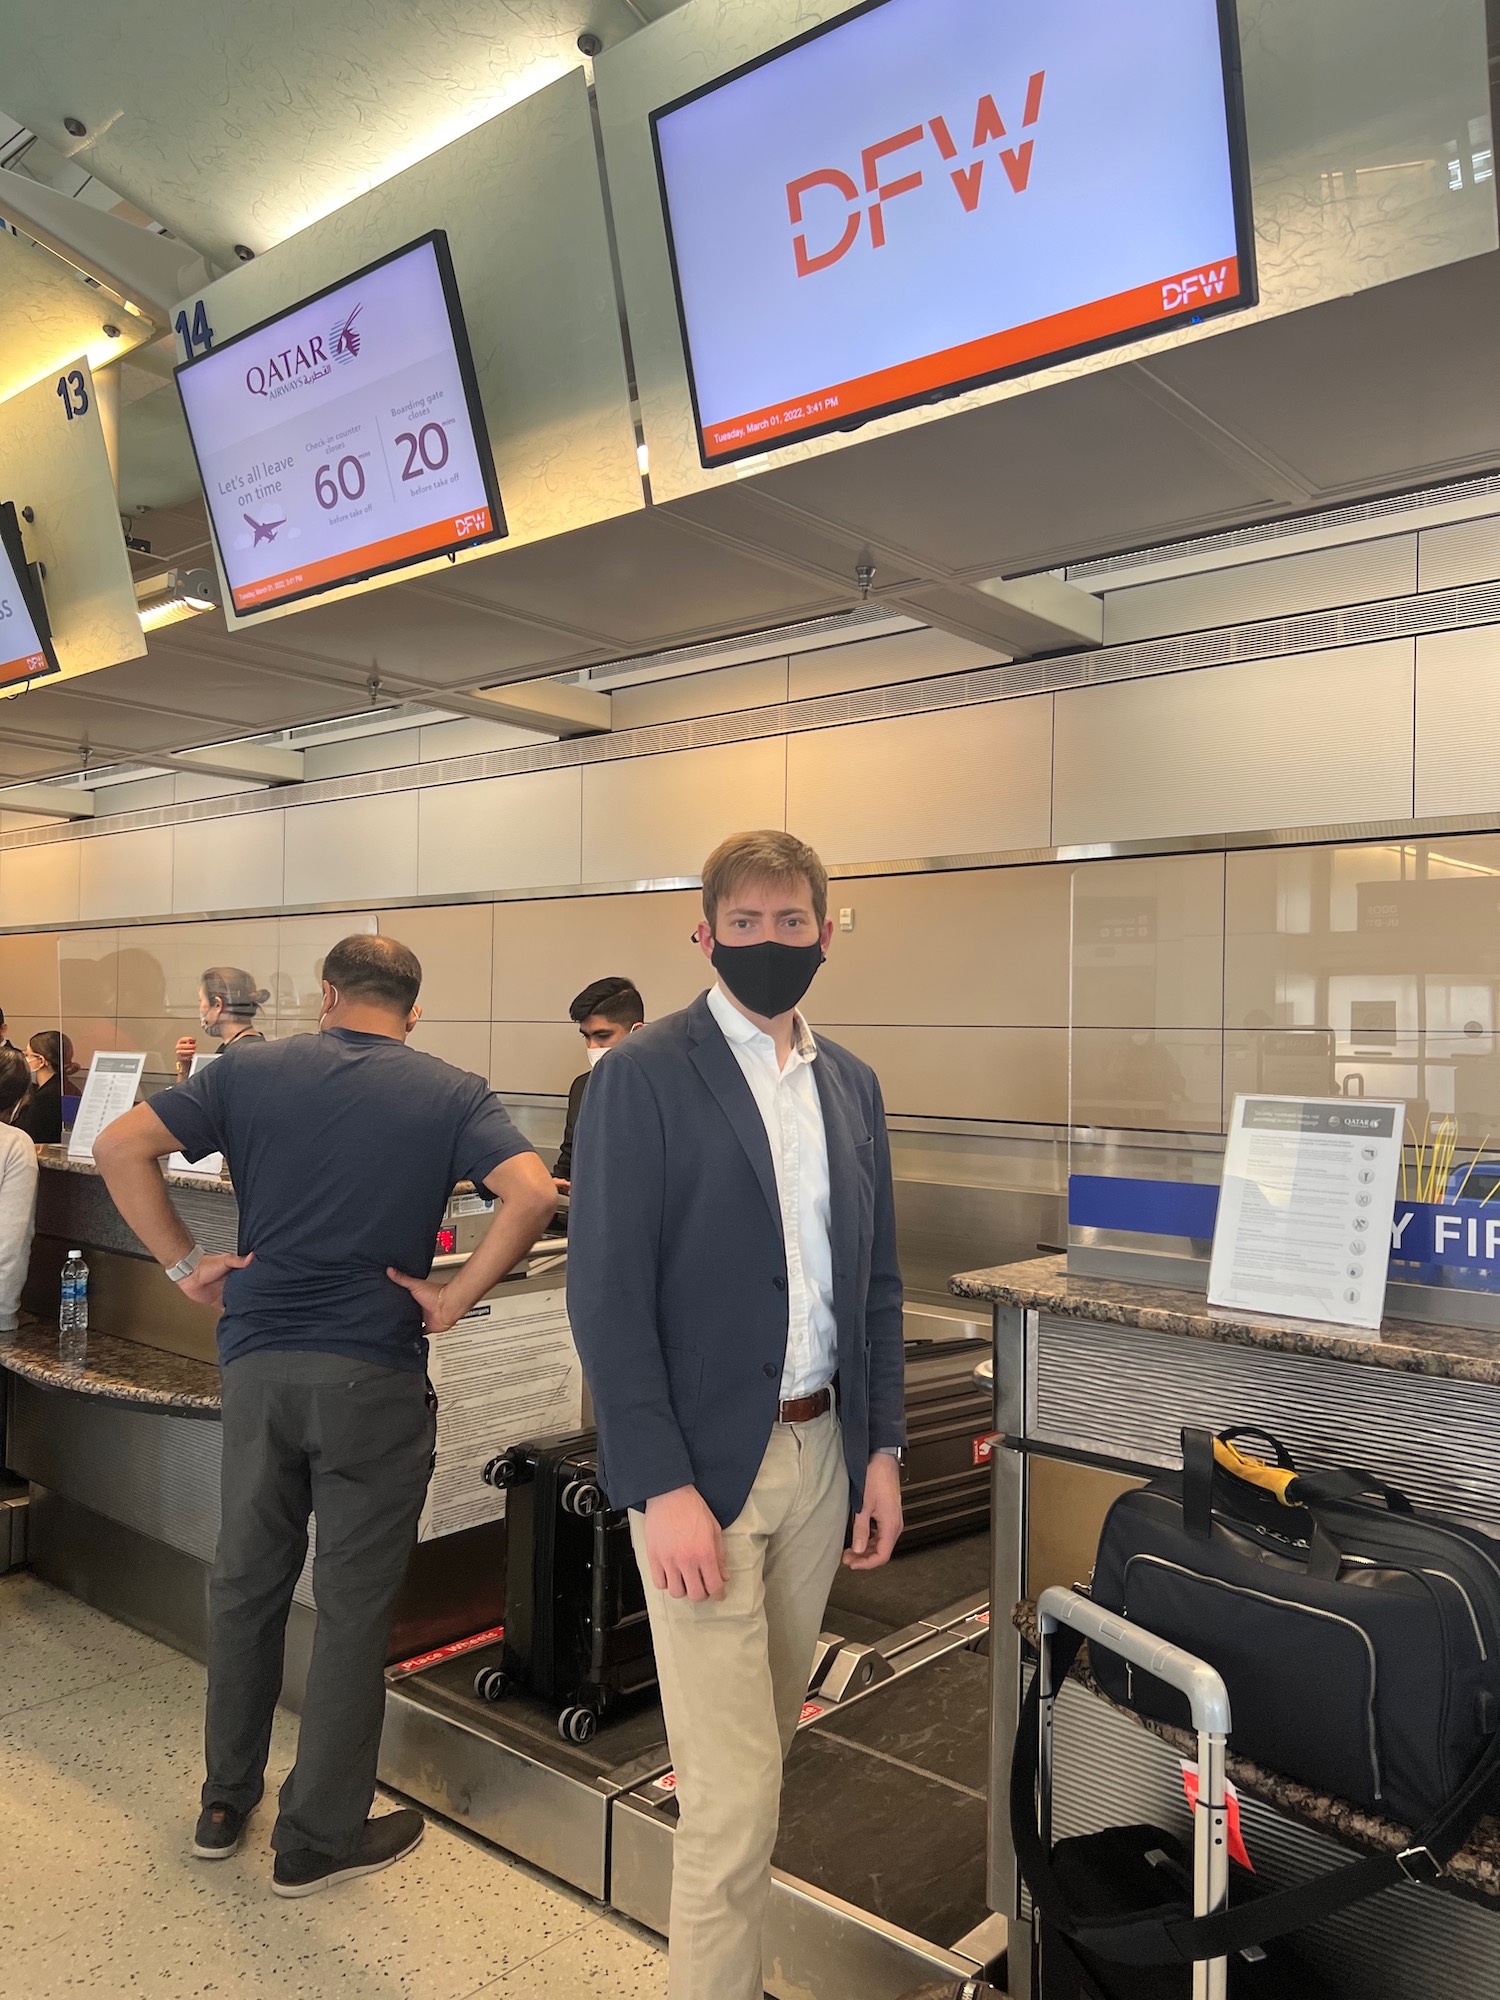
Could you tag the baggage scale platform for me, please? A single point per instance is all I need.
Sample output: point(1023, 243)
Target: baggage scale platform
point(880, 1868)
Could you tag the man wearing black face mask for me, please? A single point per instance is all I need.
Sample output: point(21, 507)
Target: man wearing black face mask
point(734, 1295)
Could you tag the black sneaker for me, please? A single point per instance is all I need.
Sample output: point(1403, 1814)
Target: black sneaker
point(219, 1831)
point(302, 1871)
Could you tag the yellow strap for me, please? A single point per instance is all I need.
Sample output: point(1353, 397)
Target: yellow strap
point(1274, 1479)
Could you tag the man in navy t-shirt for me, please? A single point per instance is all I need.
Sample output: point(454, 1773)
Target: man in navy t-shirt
point(343, 1147)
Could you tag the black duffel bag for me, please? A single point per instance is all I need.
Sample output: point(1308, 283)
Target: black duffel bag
point(1359, 1637)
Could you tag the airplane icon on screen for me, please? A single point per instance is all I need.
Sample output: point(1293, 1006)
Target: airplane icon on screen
point(265, 531)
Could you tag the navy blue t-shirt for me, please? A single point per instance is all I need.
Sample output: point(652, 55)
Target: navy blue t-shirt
point(343, 1148)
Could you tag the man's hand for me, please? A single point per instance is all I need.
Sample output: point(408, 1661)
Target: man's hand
point(684, 1545)
point(878, 1523)
point(187, 1048)
point(206, 1285)
point(437, 1317)
point(563, 1187)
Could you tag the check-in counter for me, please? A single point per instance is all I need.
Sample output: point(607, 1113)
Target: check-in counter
point(1094, 1380)
point(123, 1456)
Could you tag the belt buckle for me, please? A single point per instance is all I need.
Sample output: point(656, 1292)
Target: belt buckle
point(1420, 1864)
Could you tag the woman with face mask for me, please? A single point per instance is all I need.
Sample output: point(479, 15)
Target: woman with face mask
point(49, 1057)
point(228, 1002)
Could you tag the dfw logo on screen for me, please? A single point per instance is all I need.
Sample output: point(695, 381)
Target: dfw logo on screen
point(968, 178)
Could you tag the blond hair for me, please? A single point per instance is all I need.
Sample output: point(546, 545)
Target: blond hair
point(765, 857)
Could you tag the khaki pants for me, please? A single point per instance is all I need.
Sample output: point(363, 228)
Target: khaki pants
point(733, 1678)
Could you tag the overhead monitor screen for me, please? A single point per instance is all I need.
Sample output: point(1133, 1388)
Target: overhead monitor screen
point(25, 641)
point(926, 195)
point(344, 438)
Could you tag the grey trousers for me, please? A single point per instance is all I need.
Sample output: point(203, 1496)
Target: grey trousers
point(350, 1443)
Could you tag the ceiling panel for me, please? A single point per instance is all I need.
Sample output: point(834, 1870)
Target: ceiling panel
point(1397, 386)
point(243, 124)
point(49, 316)
point(642, 578)
point(413, 631)
point(1003, 488)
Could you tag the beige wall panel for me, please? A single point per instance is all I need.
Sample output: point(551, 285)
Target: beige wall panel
point(126, 874)
point(456, 946)
point(1016, 1073)
point(535, 1056)
point(1458, 721)
point(1148, 942)
point(302, 943)
point(28, 980)
point(1170, 1080)
point(899, 656)
point(500, 833)
point(229, 864)
point(964, 948)
point(646, 817)
point(547, 951)
point(1315, 738)
point(465, 1044)
point(1277, 588)
point(1464, 552)
point(363, 753)
point(39, 885)
point(959, 781)
point(757, 684)
point(352, 849)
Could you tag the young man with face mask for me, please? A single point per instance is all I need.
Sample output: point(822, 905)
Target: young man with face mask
point(604, 1014)
point(734, 1293)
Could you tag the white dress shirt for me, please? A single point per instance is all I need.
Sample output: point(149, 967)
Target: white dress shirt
point(792, 1113)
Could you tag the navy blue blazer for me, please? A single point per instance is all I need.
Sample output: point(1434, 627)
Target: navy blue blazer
point(677, 1283)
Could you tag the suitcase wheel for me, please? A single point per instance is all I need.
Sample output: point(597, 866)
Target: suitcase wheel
point(581, 1497)
point(577, 1725)
point(490, 1684)
point(502, 1471)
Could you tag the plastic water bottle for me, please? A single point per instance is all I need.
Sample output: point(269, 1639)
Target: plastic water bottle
point(73, 1318)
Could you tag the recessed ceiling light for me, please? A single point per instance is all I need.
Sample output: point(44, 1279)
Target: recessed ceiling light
point(76, 128)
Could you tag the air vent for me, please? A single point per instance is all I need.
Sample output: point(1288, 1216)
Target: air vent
point(1391, 509)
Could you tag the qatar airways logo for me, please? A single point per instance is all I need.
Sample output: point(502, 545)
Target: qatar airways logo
point(825, 229)
point(306, 361)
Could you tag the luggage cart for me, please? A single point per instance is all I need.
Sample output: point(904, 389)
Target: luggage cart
point(1208, 1700)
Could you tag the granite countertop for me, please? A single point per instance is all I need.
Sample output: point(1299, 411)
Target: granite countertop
point(56, 1158)
point(1475, 1869)
point(1461, 1353)
point(118, 1371)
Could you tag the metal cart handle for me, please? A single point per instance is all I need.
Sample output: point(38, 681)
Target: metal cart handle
point(1208, 1700)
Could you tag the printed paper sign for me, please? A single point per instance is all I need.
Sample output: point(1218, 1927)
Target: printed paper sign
point(1303, 1226)
point(508, 1371)
point(113, 1081)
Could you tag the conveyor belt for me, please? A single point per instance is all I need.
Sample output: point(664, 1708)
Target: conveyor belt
point(880, 1878)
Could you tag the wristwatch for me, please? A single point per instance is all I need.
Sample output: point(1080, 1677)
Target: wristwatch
point(185, 1266)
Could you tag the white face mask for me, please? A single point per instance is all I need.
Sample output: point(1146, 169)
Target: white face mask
point(594, 1055)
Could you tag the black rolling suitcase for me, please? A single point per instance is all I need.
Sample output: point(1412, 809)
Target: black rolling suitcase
point(1103, 1899)
point(576, 1629)
point(945, 1481)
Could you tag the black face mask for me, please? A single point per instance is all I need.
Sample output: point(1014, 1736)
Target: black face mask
point(768, 978)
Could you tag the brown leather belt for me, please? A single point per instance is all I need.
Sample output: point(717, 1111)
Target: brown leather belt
point(803, 1409)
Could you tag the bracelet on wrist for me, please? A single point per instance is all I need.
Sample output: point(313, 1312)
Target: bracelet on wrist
point(185, 1266)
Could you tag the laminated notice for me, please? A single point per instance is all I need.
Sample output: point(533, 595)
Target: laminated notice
point(507, 1372)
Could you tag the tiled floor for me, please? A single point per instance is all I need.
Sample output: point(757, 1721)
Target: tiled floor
point(100, 1735)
